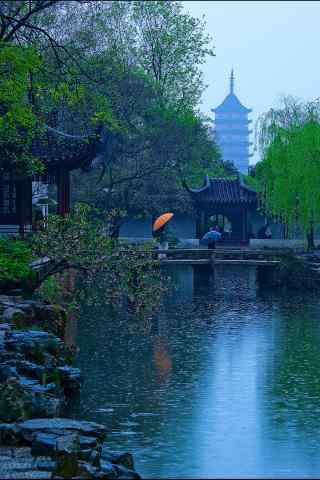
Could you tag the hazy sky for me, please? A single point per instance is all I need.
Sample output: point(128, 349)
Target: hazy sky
point(272, 45)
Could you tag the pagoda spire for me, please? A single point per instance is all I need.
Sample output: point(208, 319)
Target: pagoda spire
point(232, 82)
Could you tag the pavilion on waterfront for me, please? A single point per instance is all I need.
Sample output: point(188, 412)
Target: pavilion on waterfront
point(225, 202)
point(229, 204)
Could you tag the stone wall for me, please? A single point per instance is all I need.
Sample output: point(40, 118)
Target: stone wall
point(277, 243)
point(137, 228)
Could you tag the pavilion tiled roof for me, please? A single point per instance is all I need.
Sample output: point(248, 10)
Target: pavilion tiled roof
point(224, 191)
point(56, 149)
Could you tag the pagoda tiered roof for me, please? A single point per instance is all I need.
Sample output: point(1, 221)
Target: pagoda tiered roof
point(235, 143)
point(231, 104)
point(229, 121)
point(231, 129)
point(222, 191)
point(225, 129)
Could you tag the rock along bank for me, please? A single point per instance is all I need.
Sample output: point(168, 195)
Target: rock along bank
point(36, 382)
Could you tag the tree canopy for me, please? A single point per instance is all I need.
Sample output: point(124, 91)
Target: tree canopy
point(289, 173)
point(132, 68)
point(72, 64)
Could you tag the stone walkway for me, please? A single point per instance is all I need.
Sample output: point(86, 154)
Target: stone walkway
point(18, 462)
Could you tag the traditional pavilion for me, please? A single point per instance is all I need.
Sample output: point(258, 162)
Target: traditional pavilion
point(60, 154)
point(229, 204)
point(231, 130)
point(226, 202)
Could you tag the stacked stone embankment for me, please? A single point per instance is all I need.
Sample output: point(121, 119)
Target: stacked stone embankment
point(60, 448)
point(36, 382)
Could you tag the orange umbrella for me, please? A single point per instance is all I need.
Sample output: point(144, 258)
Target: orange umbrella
point(162, 220)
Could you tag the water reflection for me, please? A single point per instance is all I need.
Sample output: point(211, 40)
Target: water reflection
point(226, 383)
point(161, 358)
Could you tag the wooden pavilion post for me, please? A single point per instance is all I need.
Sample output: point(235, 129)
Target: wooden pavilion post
point(63, 194)
point(23, 203)
point(21, 206)
point(199, 223)
point(244, 224)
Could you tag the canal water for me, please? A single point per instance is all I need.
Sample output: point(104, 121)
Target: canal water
point(224, 383)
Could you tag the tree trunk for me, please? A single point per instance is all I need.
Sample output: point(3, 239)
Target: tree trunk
point(115, 231)
point(310, 237)
point(115, 226)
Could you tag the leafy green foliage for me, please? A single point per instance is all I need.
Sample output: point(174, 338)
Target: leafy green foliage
point(15, 258)
point(171, 45)
point(161, 41)
point(79, 242)
point(251, 181)
point(18, 121)
point(289, 175)
point(133, 67)
point(142, 172)
point(51, 290)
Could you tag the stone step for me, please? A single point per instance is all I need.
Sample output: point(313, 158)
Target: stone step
point(19, 463)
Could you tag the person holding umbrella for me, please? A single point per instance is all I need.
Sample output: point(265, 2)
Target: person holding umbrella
point(161, 231)
point(212, 237)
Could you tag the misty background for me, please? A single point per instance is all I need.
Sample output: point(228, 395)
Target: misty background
point(273, 47)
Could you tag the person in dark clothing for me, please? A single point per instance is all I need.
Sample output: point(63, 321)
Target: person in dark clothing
point(163, 236)
point(264, 231)
point(212, 237)
point(211, 244)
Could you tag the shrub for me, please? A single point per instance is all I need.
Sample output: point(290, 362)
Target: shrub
point(15, 258)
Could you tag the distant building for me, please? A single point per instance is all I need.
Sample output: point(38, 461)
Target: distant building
point(231, 205)
point(228, 203)
point(231, 130)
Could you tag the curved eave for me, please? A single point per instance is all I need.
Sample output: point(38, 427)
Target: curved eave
point(231, 104)
point(222, 130)
point(229, 122)
point(246, 187)
point(226, 109)
point(57, 149)
point(206, 184)
point(226, 192)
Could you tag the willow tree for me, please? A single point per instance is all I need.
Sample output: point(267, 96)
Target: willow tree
point(289, 173)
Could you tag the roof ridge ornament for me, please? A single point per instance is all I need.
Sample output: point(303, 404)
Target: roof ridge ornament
point(232, 81)
point(243, 184)
point(205, 185)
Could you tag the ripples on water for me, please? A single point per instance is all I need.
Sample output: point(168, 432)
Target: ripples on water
point(226, 383)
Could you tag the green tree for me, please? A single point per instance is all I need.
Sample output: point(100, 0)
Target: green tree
point(135, 68)
point(18, 121)
point(79, 242)
point(37, 77)
point(171, 47)
point(77, 44)
point(169, 147)
point(289, 173)
point(164, 42)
